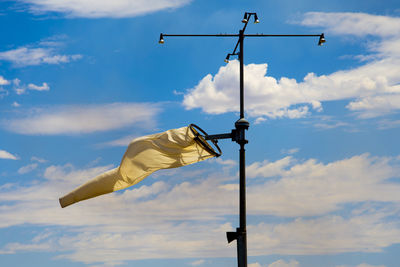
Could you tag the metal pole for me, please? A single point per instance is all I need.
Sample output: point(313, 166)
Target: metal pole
point(241, 38)
point(241, 126)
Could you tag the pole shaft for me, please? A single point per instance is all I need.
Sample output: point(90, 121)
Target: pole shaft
point(241, 38)
point(242, 235)
point(242, 238)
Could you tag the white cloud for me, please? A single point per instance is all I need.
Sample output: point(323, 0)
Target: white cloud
point(228, 162)
point(80, 119)
point(28, 168)
point(259, 120)
point(26, 56)
point(43, 87)
point(37, 159)
point(373, 88)
point(359, 24)
point(256, 264)
point(7, 155)
point(102, 8)
point(15, 104)
point(68, 174)
point(12, 248)
point(16, 82)
point(20, 89)
point(282, 263)
point(3, 81)
point(268, 169)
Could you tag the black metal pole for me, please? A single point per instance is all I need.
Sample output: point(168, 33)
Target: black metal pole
point(242, 240)
point(241, 126)
point(241, 39)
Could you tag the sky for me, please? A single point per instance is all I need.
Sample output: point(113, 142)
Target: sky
point(80, 79)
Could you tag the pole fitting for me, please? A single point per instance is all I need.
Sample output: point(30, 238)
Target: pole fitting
point(241, 125)
point(234, 235)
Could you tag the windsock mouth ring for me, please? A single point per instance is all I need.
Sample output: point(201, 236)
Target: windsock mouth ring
point(199, 137)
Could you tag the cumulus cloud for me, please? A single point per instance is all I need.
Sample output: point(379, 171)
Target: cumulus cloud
point(162, 219)
point(30, 56)
point(373, 89)
point(102, 8)
point(7, 155)
point(81, 119)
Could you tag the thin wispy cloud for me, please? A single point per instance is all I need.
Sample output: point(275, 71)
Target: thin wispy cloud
point(83, 119)
point(33, 56)
point(102, 8)
point(28, 168)
point(37, 159)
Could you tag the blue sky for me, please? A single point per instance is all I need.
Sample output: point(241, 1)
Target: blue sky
point(80, 79)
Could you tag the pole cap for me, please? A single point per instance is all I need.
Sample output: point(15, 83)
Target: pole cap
point(242, 123)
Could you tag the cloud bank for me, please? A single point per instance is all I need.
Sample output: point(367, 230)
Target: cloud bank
point(349, 205)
